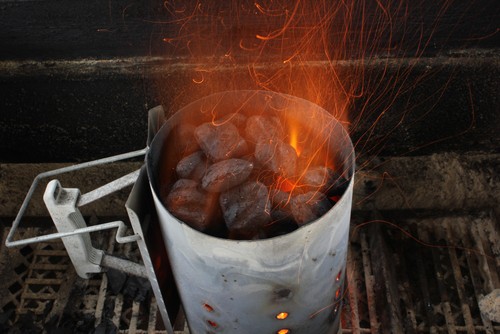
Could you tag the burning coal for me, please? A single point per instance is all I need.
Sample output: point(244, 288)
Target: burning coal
point(246, 177)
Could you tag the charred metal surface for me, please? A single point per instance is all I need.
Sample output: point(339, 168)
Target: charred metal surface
point(382, 260)
point(448, 181)
point(433, 270)
point(41, 287)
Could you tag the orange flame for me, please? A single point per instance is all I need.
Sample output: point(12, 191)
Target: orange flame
point(285, 184)
point(294, 140)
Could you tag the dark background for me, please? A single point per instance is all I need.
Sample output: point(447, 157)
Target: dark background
point(77, 77)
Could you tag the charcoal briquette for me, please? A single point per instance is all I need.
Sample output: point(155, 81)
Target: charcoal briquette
point(220, 142)
point(193, 166)
point(185, 140)
point(263, 128)
point(226, 174)
point(192, 205)
point(279, 198)
point(246, 208)
point(116, 279)
point(136, 288)
point(278, 156)
point(324, 179)
point(309, 206)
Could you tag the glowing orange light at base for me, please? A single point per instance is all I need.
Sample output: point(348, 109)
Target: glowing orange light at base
point(282, 316)
point(212, 323)
point(339, 276)
point(337, 293)
point(285, 184)
point(208, 308)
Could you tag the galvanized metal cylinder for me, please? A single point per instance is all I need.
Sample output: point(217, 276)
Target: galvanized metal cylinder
point(287, 284)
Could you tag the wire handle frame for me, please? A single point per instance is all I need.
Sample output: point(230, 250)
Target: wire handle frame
point(84, 199)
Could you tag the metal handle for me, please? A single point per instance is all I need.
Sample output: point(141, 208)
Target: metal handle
point(84, 199)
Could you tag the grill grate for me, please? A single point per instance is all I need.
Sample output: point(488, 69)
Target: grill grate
point(423, 275)
point(401, 285)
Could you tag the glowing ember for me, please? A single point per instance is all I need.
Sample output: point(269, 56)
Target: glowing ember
point(250, 182)
point(283, 331)
point(285, 184)
point(212, 323)
point(337, 293)
point(277, 156)
point(282, 316)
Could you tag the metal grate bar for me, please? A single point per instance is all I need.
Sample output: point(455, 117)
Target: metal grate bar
point(474, 262)
point(49, 267)
point(118, 310)
point(387, 314)
point(152, 316)
point(35, 297)
point(132, 328)
point(44, 281)
point(441, 275)
point(369, 282)
point(436, 288)
point(491, 262)
point(452, 252)
point(433, 312)
point(352, 287)
point(355, 318)
point(100, 300)
point(405, 285)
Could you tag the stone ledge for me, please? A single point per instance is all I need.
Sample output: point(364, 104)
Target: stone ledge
point(78, 110)
point(440, 182)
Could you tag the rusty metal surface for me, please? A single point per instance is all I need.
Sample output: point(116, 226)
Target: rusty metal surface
point(436, 281)
point(429, 274)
